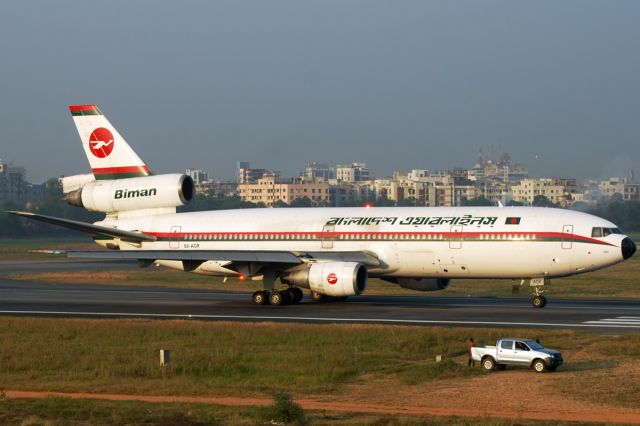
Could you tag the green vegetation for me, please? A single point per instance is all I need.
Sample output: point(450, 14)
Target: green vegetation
point(122, 356)
point(288, 361)
point(283, 410)
point(241, 359)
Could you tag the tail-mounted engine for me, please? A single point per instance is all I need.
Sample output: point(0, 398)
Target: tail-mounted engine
point(149, 192)
point(330, 278)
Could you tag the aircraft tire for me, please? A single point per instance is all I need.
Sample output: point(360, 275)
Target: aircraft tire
point(539, 301)
point(318, 297)
point(276, 298)
point(296, 294)
point(260, 298)
point(287, 297)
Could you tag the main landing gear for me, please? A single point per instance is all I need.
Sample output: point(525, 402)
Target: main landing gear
point(288, 296)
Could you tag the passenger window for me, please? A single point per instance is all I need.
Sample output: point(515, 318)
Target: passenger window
point(596, 233)
point(506, 344)
point(521, 346)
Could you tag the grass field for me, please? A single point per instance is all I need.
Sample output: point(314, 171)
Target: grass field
point(342, 362)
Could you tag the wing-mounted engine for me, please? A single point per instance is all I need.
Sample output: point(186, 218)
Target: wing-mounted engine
point(330, 278)
point(420, 284)
point(139, 193)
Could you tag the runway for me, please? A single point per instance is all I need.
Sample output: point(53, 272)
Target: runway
point(105, 301)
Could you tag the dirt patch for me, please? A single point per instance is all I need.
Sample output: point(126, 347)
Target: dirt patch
point(441, 400)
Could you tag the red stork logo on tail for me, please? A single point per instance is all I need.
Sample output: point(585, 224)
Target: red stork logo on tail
point(332, 278)
point(101, 142)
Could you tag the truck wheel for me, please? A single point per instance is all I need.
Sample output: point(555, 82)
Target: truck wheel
point(488, 363)
point(539, 365)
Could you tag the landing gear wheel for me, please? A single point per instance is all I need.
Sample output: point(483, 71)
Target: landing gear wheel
point(276, 298)
point(260, 298)
point(296, 294)
point(539, 365)
point(317, 297)
point(489, 364)
point(539, 301)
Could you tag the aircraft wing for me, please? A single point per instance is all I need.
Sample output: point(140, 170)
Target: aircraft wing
point(129, 236)
point(257, 256)
point(368, 259)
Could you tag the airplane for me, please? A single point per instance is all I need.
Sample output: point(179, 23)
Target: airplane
point(330, 251)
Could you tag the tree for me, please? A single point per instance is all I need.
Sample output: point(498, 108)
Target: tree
point(542, 201)
point(480, 201)
point(384, 202)
point(301, 202)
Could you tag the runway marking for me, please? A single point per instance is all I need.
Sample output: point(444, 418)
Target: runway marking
point(586, 324)
point(620, 321)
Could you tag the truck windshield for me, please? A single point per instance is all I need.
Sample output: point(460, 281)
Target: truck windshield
point(535, 346)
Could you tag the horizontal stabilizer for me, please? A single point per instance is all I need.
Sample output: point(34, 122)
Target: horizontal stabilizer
point(129, 236)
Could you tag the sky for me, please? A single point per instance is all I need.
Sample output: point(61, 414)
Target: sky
point(396, 84)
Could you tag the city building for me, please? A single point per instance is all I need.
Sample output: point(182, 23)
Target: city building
point(13, 184)
point(198, 176)
point(354, 172)
point(269, 189)
point(528, 189)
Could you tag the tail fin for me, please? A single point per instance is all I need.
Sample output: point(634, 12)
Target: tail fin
point(109, 154)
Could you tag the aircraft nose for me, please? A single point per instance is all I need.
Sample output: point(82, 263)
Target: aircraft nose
point(628, 248)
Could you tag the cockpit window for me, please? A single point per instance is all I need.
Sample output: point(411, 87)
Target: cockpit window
point(604, 232)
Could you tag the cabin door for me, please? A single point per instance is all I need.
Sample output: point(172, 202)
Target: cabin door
point(327, 236)
point(174, 239)
point(455, 237)
point(567, 232)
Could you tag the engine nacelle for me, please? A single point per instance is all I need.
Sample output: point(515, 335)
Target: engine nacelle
point(420, 284)
point(330, 278)
point(149, 192)
point(75, 182)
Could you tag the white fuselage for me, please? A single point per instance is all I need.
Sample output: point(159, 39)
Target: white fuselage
point(435, 242)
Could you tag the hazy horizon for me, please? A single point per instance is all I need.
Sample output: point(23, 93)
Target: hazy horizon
point(397, 85)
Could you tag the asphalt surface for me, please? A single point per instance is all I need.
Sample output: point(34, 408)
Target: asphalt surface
point(104, 301)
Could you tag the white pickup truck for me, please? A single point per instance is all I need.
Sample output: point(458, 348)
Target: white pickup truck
point(523, 352)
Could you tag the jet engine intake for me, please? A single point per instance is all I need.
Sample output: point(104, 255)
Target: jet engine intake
point(330, 278)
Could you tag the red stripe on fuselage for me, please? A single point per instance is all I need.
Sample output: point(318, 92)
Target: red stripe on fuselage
point(441, 236)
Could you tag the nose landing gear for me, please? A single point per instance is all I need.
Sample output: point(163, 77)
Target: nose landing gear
point(538, 301)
